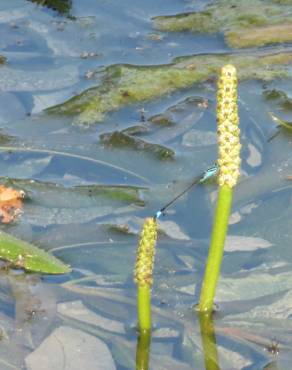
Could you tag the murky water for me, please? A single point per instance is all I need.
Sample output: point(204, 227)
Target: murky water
point(87, 196)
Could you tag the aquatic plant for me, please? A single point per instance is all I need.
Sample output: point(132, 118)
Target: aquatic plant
point(229, 163)
point(126, 84)
point(119, 139)
point(24, 255)
point(279, 98)
point(61, 6)
point(143, 274)
point(244, 23)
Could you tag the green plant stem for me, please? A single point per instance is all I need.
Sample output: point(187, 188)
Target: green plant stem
point(216, 249)
point(143, 350)
point(144, 308)
point(209, 341)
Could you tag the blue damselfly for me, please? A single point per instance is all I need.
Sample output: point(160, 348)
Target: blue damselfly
point(206, 175)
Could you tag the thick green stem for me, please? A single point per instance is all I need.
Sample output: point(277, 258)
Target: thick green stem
point(144, 307)
point(214, 260)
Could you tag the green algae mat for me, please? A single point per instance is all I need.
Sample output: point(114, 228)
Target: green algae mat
point(246, 23)
point(129, 84)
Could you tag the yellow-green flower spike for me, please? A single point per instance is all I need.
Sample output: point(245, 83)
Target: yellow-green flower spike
point(143, 274)
point(228, 130)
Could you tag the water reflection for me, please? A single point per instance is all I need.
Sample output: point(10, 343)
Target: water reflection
point(143, 350)
point(208, 341)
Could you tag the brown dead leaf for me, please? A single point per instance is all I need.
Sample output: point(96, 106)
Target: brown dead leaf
point(10, 204)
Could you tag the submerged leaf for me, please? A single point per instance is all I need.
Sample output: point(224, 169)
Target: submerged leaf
point(172, 230)
point(280, 122)
point(136, 130)
point(76, 310)
point(263, 283)
point(126, 84)
point(279, 308)
point(70, 349)
point(118, 139)
point(279, 97)
point(52, 204)
point(27, 256)
point(55, 195)
point(245, 243)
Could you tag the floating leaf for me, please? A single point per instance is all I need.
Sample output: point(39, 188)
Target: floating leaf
point(125, 84)
point(24, 255)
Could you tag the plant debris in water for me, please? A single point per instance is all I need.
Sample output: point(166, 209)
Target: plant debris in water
point(10, 204)
point(84, 195)
point(279, 97)
point(61, 6)
point(244, 23)
point(51, 204)
point(119, 139)
point(281, 123)
point(127, 84)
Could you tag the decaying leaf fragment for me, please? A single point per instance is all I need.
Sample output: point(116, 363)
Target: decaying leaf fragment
point(10, 203)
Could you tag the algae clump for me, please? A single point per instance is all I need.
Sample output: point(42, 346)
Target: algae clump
point(125, 84)
point(244, 23)
point(128, 84)
point(259, 36)
point(61, 6)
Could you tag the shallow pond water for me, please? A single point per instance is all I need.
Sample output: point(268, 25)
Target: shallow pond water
point(88, 191)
